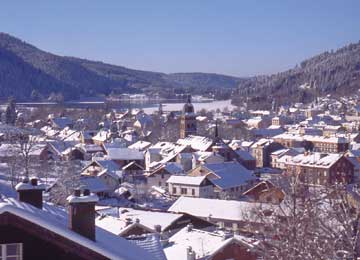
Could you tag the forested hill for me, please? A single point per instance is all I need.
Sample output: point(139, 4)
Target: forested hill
point(336, 72)
point(25, 69)
point(28, 73)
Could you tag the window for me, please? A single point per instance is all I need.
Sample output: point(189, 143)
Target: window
point(174, 190)
point(11, 251)
point(183, 190)
point(193, 192)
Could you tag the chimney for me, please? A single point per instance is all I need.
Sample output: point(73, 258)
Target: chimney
point(30, 192)
point(190, 254)
point(128, 222)
point(157, 228)
point(189, 227)
point(82, 213)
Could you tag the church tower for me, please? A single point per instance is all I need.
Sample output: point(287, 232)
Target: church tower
point(188, 120)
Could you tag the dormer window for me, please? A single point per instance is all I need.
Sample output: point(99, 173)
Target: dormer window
point(11, 251)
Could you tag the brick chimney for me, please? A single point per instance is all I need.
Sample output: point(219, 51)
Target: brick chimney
point(82, 213)
point(30, 192)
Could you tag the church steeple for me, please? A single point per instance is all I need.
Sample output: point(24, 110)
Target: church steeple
point(216, 130)
point(188, 119)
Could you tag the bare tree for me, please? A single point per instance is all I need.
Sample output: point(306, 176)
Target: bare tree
point(311, 223)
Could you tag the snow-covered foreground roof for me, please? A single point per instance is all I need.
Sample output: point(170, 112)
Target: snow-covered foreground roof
point(145, 217)
point(55, 220)
point(217, 209)
point(203, 243)
point(152, 244)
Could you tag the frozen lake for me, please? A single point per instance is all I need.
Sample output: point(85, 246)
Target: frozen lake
point(211, 105)
point(149, 106)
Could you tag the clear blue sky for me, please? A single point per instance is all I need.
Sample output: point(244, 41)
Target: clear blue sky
point(236, 37)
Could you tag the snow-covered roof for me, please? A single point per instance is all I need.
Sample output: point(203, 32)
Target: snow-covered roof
point(140, 145)
point(315, 159)
point(218, 209)
point(124, 154)
point(83, 199)
point(174, 168)
point(61, 122)
point(101, 136)
point(186, 180)
point(55, 219)
point(203, 243)
point(152, 244)
point(198, 143)
point(244, 155)
point(94, 184)
point(27, 186)
point(146, 217)
point(230, 174)
point(311, 138)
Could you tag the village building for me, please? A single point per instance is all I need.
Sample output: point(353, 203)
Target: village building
point(230, 179)
point(190, 186)
point(321, 168)
point(188, 120)
point(265, 192)
point(192, 243)
point(159, 176)
point(229, 215)
point(30, 229)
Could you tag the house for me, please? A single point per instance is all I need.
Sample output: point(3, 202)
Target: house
point(140, 145)
point(280, 157)
point(89, 150)
point(130, 221)
point(123, 227)
point(321, 168)
point(159, 176)
point(197, 143)
point(258, 122)
point(123, 156)
point(227, 214)
point(60, 122)
point(262, 149)
point(246, 159)
point(86, 136)
point(190, 186)
point(333, 144)
point(95, 185)
point(265, 192)
point(206, 157)
point(30, 229)
point(106, 170)
point(101, 137)
point(152, 242)
point(132, 171)
point(64, 150)
point(230, 179)
point(192, 243)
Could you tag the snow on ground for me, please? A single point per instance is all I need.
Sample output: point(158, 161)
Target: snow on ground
point(5, 188)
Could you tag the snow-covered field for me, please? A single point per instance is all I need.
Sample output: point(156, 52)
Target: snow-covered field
point(213, 105)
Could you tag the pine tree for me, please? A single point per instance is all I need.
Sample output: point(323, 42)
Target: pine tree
point(10, 112)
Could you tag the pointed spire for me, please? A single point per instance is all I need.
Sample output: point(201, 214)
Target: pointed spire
point(216, 129)
point(189, 98)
